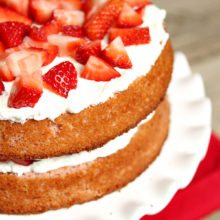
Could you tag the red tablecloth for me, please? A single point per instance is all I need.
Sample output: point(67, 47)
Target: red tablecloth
point(202, 196)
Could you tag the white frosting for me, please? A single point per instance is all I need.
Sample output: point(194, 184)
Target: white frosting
point(89, 92)
point(53, 163)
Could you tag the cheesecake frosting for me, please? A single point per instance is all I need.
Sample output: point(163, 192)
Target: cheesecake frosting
point(88, 92)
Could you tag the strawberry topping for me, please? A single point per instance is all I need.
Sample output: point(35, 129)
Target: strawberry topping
point(42, 10)
point(67, 45)
point(13, 33)
point(116, 55)
point(50, 51)
point(23, 162)
point(20, 6)
point(138, 3)
point(69, 17)
point(99, 23)
point(98, 70)
point(90, 6)
point(129, 17)
point(86, 50)
point(26, 91)
point(41, 33)
point(65, 28)
point(2, 87)
point(61, 79)
point(9, 15)
point(73, 31)
point(70, 4)
point(131, 36)
point(5, 74)
point(2, 49)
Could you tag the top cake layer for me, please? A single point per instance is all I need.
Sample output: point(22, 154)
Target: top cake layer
point(90, 92)
point(100, 101)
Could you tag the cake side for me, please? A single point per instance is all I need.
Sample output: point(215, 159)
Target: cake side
point(74, 185)
point(92, 127)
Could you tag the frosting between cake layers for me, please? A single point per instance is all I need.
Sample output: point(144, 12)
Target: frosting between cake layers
point(53, 163)
point(88, 92)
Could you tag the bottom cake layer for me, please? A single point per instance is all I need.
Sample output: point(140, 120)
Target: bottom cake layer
point(64, 187)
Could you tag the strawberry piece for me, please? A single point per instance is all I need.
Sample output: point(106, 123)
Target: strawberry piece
point(13, 33)
point(67, 45)
point(85, 51)
point(5, 74)
point(99, 23)
point(23, 162)
point(20, 6)
point(140, 11)
point(42, 10)
point(31, 63)
point(2, 87)
point(138, 3)
point(131, 36)
point(50, 51)
point(73, 31)
point(129, 17)
point(98, 70)
point(90, 6)
point(70, 4)
point(26, 91)
point(41, 33)
point(69, 17)
point(61, 79)
point(24, 61)
point(37, 33)
point(9, 15)
point(116, 55)
point(2, 50)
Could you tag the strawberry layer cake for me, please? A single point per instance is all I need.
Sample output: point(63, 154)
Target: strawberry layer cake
point(82, 98)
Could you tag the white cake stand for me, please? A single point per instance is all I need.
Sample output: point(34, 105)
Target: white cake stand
point(185, 147)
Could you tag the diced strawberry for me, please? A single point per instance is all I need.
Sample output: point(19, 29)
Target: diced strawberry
point(70, 4)
point(138, 3)
point(90, 6)
point(12, 62)
point(2, 87)
point(13, 33)
point(42, 10)
point(9, 15)
point(5, 74)
point(25, 61)
point(98, 70)
point(131, 36)
point(85, 51)
point(51, 51)
point(61, 78)
point(36, 33)
point(67, 45)
point(69, 17)
point(140, 11)
point(23, 162)
point(99, 23)
point(31, 63)
point(116, 54)
point(20, 6)
point(73, 31)
point(129, 17)
point(41, 33)
point(26, 91)
point(2, 50)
